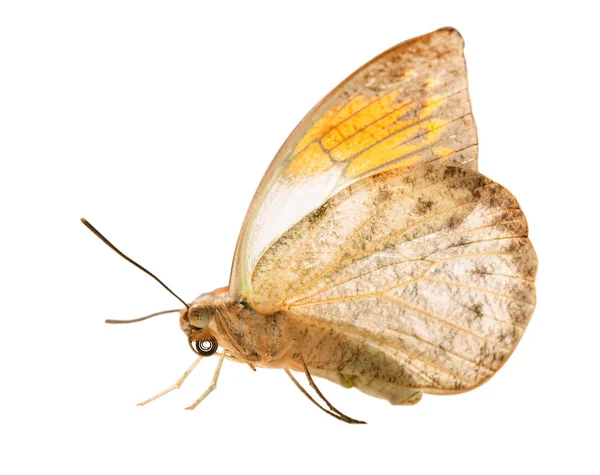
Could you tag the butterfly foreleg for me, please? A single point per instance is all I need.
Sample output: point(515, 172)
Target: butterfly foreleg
point(213, 384)
point(177, 384)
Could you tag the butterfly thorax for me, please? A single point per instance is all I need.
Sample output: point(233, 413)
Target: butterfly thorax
point(263, 340)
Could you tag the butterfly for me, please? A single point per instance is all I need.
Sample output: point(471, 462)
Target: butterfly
point(374, 254)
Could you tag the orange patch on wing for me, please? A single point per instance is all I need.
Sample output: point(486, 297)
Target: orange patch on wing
point(328, 121)
point(310, 161)
point(361, 119)
point(370, 133)
point(431, 105)
point(430, 83)
point(443, 152)
point(396, 147)
point(397, 140)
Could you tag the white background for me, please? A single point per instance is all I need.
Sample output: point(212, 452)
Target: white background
point(156, 121)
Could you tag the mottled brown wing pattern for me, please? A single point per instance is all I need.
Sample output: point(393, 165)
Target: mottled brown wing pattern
point(417, 278)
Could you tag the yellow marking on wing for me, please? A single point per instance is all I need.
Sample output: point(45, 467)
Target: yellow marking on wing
point(395, 147)
point(431, 105)
point(443, 152)
point(383, 140)
point(379, 130)
point(430, 83)
point(360, 120)
point(369, 135)
point(310, 161)
point(330, 120)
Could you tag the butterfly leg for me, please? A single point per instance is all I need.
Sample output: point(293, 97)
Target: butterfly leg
point(299, 386)
point(213, 385)
point(177, 385)
point(313, 385)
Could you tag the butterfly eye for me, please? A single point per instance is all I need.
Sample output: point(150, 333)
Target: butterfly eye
point(205, 347)
point(199, 317)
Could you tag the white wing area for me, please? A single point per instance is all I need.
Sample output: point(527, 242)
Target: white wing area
point(415, 278)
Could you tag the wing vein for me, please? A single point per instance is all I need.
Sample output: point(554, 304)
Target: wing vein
point(337, 284)
point(366, 337)
point(446, 322)
point(403, 231)
point(401, 105)
point(369, 101)
point(376, 213)
point(406, 305)
point(480, 289)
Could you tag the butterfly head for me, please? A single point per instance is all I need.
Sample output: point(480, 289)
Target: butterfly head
point(195, 323)
point(198, 323)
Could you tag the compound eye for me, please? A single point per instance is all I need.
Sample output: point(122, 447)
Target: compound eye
point(199, 317)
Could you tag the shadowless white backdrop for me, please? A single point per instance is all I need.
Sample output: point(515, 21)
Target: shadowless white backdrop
point(156, 121)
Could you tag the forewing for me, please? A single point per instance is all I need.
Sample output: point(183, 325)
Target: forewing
point(419, 278)
point(408, 105)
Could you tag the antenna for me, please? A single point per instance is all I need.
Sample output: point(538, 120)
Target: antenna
point(109, 244)
point(141, 319)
